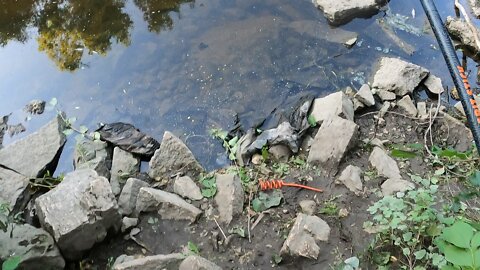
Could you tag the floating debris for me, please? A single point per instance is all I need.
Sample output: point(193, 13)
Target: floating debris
point(399, 21)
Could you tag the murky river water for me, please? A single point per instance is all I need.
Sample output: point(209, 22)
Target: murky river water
point(187, 66)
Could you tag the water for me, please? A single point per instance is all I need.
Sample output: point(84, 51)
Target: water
point(188, 66)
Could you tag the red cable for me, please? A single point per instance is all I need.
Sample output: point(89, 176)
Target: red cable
point(277, 184)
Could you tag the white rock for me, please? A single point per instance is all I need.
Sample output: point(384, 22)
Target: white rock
point(365, 95)
point(392, 186)
point(357, 104)
point(351, 177)
point(185, 187)
point(386, 95)
point(407, 105)
point(434, 84)
point(230, 196)
point(128, 223)
point(336, 104)
point(384, 164)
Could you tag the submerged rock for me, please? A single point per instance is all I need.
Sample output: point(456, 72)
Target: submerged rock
point(332, 141)
point(384, 164)
point(167, 205)
point(35, 247)
point(14, 190)
point(398, 76)
point(342, 11)
point(173, 157)
point(95, 155)
point(33, 155)
point(78, 212)
point(185, 187)
point(155, 262)
point(35, 106)
point(304, 235)
point(128, 198)
point(336, 104)
point(230, 197)
point(124, 165)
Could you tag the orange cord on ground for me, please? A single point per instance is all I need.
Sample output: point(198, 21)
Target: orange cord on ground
point(277, 184)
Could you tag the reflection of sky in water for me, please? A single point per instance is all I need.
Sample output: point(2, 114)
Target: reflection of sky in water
point(189, 70)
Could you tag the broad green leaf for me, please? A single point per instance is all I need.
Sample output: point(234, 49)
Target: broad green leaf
point(416, 146)
point(312, 121)
point(11, 263)
point(192, 248)
point(238, 230)
point(402, 153)
point(475, 243)
point(440, 171)
point(353, 262)
point(381, 258)
point(265, 201)
point(458, 256)
point(208, 192)
point(459, 234)
point(406, 251)
point(420, 254)
point(233, 141)
point(449, 267)
point(475, 179)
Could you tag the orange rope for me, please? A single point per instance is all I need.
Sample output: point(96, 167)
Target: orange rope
point(277, 184)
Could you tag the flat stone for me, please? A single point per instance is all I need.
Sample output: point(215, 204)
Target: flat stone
point(14, 190)
point(185, 187)
point(392, 186)
point(357, 105)
point(78, 212)
point(342, 11)
point(38, 152)
point(167, 205)
point(422, 110)
point(95, 155)
point(407, 105)
point(336, 104)
point(349, 43)
point(309, 207)
point(385, 107)
point(351, 177)
point(434, 84)
point(304, 235)
point(280, 152)
point(398, 76)
point(230, 197)
point(365, 95)
point(384, 164)
point(459, 30)
point(173, 157)
point(128, 198)
point(156, 262)
point(331, 142)
point(124, 165)
point(194, 262)
point(128, 223)
point(34, 246)
point(386, 95)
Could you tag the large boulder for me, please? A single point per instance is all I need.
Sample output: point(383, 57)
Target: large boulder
point(398, 76)
point(95, 155)
point(342, 11)
point(333, 139)
point(34, 246)
point(336, 104)
point(167, 205)
point(13, 189)
point(128, 198)
point(230, 196)
point(33, 155)
point(78, 212)
point(155, 262)
point(173, 157)
point(124, 165)
point(306, 232)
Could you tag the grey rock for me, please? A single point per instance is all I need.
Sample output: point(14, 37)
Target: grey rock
point(336, 104)
point(173, 157)
point(459, 136)
point(123, 258)
point(349, 43)
point(35, 106)
point(95, 155)
point(280, 152)
point(342, 11)
point(185, 187)
point(459, 108)
point(407, 105)
point(167, 205)
point(351, 177)
point(124, 165)
point(230, 196)
point(392, 186)
point(38, 152)
point(365, 95)
point(78, 212)
point(475, 6)
point(459, 30)
point(194, 262)
point(398, 76)
point(332, 141)
point(128, 223)
point(129, 195)
point(384, 164)
point(434, 84)
point(35, 247)
point(385, 95)
point(357, 104)
point(422, 109)
point(304, 235)
point(14, 189)
point(156, 262)
point(309, 207)
point(385, 107)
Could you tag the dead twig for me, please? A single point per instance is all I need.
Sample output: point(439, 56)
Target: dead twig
point(431, 121)
point(220, 228)
point(248, 216)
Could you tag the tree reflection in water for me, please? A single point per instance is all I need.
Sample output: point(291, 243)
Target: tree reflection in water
point(67, 29)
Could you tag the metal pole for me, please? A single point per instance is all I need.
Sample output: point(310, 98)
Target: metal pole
point(456, 70)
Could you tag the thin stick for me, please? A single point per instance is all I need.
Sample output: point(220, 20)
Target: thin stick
point(469, 22)
point(218, 225)
point(258, 220)
point(248, 216)
point(429, 129)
